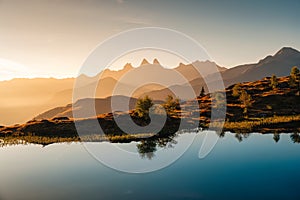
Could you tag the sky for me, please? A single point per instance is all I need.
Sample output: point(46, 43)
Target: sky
point(52, 38)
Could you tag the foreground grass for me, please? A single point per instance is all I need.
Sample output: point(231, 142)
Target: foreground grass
point(262, 125)
point(44, 140)
point(275, 124)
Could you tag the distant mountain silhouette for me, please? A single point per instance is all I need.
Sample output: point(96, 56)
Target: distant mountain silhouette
point(24, 98)
point(279, 64)
point(144, 62)
point(191, 71)
point(156, 62)
point(116, 74)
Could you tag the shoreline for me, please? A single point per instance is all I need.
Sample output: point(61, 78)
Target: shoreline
point(65, 131)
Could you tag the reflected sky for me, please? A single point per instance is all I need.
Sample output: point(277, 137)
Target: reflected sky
point(256, 168)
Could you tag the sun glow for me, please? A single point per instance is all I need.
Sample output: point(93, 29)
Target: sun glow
point(10, 69)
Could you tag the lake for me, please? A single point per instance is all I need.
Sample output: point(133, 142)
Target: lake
point(255, 168)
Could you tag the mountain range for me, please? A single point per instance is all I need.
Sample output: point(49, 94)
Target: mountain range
point(22, 99)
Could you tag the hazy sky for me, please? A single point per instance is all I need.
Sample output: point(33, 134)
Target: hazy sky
point(53, 37)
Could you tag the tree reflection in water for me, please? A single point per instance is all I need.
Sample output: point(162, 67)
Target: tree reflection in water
point(295, 137)
point(147, 147)
point(276, 137)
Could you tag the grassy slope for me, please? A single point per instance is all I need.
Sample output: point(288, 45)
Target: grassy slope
point(272, 111)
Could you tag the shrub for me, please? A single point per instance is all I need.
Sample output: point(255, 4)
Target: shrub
point(294, 77)
point(274, 82)
point(142, 106)
point(236, 90)
point(171, 105)
point(245, 99)
point(269, 107)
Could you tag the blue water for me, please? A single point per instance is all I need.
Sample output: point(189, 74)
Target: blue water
point(256, 168)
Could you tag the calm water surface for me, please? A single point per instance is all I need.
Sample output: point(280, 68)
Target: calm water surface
point(256, 168)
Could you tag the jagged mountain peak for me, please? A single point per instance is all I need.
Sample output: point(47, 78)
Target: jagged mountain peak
point(128, 66)
point(287, 51)
point(144, 62)
point(156, 62)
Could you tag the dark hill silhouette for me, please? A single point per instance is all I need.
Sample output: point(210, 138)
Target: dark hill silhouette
point(102, 105)
point(279, 64)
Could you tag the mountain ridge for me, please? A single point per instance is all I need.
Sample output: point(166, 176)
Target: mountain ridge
point(30, 97)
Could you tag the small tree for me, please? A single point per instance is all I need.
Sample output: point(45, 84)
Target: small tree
point(142, 106)
point(295, 73)
point(245, 99)
point(274, 82)
point(236, 90)
point(171, 104)
point(202, 93)
point(294, 77)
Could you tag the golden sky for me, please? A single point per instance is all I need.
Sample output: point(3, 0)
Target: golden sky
point(42, 38)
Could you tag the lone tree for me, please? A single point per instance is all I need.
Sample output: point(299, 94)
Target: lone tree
point(171, 105)
point(202, 93)
point(294, 77)
point(245, 99)
point(142, 106)
point(236, 90)
point(274, 82)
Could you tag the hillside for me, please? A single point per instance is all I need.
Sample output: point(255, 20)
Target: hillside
point(279, 64)
point(102, 106)
point(22, 99)
point(270, 110)
point(265, 101)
